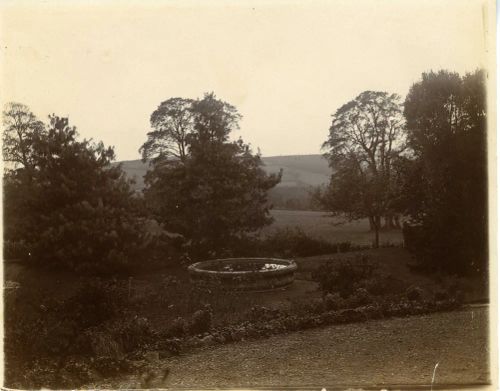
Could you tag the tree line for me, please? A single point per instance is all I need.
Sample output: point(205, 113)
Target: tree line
point(65, 205)
point(422, 160)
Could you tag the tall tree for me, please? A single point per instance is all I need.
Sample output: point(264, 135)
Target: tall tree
point(218, 192)
point(366, 137)
point(446, 119)
point(21, 128)
point(171, 122)
point(75, 210)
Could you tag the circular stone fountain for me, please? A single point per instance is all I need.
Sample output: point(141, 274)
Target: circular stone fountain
point(255, 274)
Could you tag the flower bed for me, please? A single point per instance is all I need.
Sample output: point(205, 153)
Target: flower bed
point(264, 322)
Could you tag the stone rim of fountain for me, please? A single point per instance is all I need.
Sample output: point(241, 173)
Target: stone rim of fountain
point(256, 280)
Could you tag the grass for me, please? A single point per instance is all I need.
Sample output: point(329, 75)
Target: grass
point(320, 225)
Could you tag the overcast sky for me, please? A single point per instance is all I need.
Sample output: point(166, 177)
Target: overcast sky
point(286, 66)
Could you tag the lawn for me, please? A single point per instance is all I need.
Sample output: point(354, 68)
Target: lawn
point(320, 225)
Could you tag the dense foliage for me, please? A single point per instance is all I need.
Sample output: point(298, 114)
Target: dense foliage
point(218, 190)
point(69, 207)
point(445, 180)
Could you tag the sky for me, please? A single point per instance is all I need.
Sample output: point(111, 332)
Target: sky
point(286, 65)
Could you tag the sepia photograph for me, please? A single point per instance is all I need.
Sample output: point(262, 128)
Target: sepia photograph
point(252, 195)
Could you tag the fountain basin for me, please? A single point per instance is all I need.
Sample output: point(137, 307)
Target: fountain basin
point(243, 274)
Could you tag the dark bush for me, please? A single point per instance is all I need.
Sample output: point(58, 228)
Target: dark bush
point(383, 284)
point(42, 333)
point(343, 277)
point(344, 247)
point(76, 210)
point(414, 293)
point(295, 243)
point(94, 303)
point(283, 242)
point(333, 301)
point(177, 327)
point(260, 314)
point(201, 320)
point(362, 296)
point(111, 366)
point(441, 295)
point(413, 237)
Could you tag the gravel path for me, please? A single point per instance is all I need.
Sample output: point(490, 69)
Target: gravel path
point(394, 351)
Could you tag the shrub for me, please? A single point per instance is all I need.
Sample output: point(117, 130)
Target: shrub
point(94, 303)
point(294, 242)
point(283, 242)
point(111, 366)
point(414, 293)
point(380, 284)
point(104, 344)
point(362, 296)
point(436, 251)
point(177, 328)
point(44, 327)
point(43, 333)
point(333, 301)
point(131, 333)
point(441, 295)
point(75, 210)
point(260, 314)
point(201, 320)
point(344, 247)
point(343, 277)
point(169, 346)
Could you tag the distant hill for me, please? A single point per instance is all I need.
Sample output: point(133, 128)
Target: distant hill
point(300, 174)
point(298, 170)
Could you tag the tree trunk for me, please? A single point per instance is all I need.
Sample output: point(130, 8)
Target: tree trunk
point(371, 219)
point(397, 223)
point(377, 231)
point(387, 222)
point(391, 221)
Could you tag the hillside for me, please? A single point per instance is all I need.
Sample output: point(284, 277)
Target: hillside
point(299, 171)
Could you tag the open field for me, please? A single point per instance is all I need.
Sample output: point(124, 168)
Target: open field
point(402, 351)
point(322, 226)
